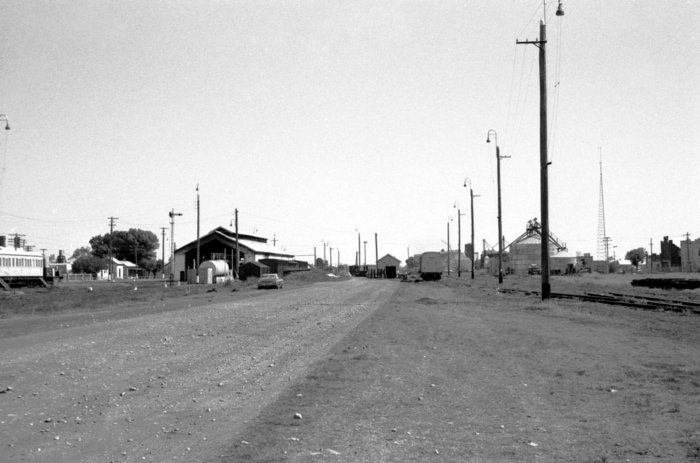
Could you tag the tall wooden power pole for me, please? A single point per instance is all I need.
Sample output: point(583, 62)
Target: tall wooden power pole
point(196, 267)
point(544, 162)
point(111, 245)
point(162, 230)
point(238, 254)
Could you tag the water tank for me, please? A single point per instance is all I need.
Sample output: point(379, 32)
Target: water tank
point(219, 267)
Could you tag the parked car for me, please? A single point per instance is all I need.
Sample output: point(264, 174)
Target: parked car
point(270, 280)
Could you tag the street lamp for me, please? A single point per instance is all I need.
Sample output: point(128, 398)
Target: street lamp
point(471, 199)
point(498, 176)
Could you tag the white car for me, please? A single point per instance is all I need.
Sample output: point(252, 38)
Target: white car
point(270, 280)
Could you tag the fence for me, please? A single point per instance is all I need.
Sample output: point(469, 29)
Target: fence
point(78, 277)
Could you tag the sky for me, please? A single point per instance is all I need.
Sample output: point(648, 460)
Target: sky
point(323, 120)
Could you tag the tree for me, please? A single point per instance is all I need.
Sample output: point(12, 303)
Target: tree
point(150, 264)
point(134, 245)
point(88, 264)
point(636, 256)
point(320, 263)
point(411, 262)
point(80, 252)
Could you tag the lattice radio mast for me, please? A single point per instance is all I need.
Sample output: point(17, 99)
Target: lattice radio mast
point(602, 238)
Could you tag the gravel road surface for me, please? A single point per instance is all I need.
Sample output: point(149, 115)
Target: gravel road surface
point(173, 385)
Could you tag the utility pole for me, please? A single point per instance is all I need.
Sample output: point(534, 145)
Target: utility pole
point(359, 250)
point(111, 243)
point(651, 253)
point(459, 243)
point(172, 215)
point(330, 255)
point(324, 253)
point(196, 267)
point(338, 259)
point(162, 231)
point(471, 207)
point(365, 261)
point(238, 255)
point(448, 248)
point(687, 242)
point(544, 163)
point(376, 253)
point(500, 218)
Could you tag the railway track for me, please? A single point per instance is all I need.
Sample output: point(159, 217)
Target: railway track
point(625, 300)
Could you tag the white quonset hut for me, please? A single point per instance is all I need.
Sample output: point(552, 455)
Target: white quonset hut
point(220, 244)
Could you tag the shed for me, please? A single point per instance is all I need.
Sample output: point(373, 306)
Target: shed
point(285, 266)
point(253, 269)
point(389, 264)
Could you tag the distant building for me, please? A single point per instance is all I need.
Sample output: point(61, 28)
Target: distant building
point(690, 255)
point(526, 253)
point(389, 264)
point(670, 256)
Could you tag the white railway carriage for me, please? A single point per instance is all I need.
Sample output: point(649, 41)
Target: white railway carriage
point(21, 267)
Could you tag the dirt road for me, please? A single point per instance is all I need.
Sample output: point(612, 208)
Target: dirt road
point(379, 371)
point(174, 385)
point(450, 372)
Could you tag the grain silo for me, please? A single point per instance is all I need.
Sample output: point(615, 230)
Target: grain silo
point(526, 250)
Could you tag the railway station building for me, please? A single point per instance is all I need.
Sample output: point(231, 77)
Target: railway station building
point(220, 244)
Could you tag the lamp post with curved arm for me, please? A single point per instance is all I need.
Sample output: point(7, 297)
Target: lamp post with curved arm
point(498, 181)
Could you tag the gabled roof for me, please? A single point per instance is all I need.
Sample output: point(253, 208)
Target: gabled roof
point(255, 244)
point(125, 263)
point(390, 258)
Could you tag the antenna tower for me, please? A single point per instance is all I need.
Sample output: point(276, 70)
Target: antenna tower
point(602, 238)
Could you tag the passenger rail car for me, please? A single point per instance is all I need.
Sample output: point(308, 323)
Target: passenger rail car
point(20, 267)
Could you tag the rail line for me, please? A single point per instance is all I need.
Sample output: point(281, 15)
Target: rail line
point(625, 300)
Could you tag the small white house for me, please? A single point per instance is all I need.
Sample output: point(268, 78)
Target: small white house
point(121, 269)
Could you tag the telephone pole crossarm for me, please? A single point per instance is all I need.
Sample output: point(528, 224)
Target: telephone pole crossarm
point(538, 43)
